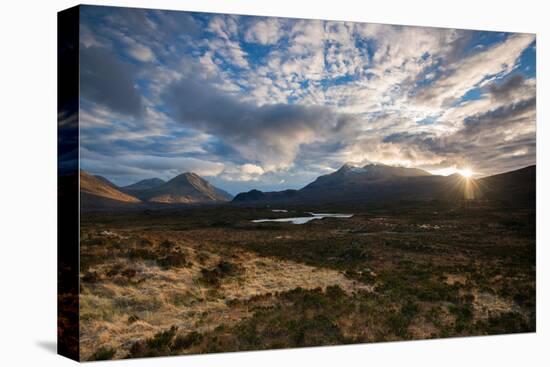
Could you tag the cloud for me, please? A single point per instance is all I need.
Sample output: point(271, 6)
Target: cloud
point(491, 141)
point(141, 52)
point(252, 169)
point(466, 73)
point(506, 90)
point(264, 32)
point(106, 80)
point(279, 101)
point(131, 167)
point(245, 172)
point(270, 134)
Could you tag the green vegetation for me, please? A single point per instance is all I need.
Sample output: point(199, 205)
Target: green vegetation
point(103, 354)
point(414, 271)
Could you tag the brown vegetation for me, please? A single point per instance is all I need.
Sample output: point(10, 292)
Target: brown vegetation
point(209, 280)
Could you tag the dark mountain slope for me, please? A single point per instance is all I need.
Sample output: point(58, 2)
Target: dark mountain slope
point(377, 183)
point(139, 187)
point(514, 186)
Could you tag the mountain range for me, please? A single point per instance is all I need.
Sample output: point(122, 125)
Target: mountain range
point(349, 184)
point(378, 182)
point(188, 188)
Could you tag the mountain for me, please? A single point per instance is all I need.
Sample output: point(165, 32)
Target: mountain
point(186, 188)
point(350, 176)
point(139, 187)
point(100, 193)
point(257, 195)
point(377, 182)
point(97, 192)
point(373, 182)
point(106, 181)
point(514, 186)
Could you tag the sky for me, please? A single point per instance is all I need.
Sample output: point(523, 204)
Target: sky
point(272, 103)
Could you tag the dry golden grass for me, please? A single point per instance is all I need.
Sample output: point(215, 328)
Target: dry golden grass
point(228, 284)
point(160, 298)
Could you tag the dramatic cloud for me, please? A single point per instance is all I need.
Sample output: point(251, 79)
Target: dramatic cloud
point(472, 71)
point(272, 103)
point(106, 80)
point(269, 134)
point(507, 89)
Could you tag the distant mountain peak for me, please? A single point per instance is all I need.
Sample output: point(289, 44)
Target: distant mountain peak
point(140, 186)
point(378, 165)
point(187, 187)
point(380, 169)
point(378, 182)
point(104, 180)
point(100, 187)
point(187, 176)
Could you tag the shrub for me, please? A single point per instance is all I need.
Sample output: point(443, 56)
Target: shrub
point(162, 339)
point(508, 322)
point(167, 245)
point(354, 254)
point(186, 341)
point(132, 319)
point(398, 325)
point(90, 277)
point(464, 314)
point(173, 260)
point(409, 310)
point(158, 345)
point(103, 354)
point(224, 269)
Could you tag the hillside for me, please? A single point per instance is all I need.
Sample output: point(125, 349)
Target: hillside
point(377, 183)
point(186, 188)
point(103, 189)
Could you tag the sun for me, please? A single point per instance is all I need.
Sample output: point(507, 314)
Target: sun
point(465, 172)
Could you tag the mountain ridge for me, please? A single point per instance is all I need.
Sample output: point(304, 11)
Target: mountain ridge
point(186, 188)
point(378, 182)
point(94, 190)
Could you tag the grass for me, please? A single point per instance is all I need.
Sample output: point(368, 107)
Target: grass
point(103, 354)
point(204, 280)
point(223, 269)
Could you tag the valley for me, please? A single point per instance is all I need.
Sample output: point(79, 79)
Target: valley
point(209, 279)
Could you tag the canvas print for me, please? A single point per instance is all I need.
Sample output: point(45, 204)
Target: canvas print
point(235, 183)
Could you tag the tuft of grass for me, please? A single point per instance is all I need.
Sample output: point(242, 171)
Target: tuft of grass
point(224, 269)
point(174, 259)
point(132, 319)
point(186, 341)
point(158, 345)
point(103, 354)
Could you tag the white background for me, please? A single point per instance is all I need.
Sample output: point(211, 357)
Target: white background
point(28, 182)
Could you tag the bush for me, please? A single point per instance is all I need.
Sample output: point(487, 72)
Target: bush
point(398, 325)
point(158, 345)
point(132, 319)
point(508, 322)
point(464, 314)
point(186, 341)
point(103, 354)
point(224, 269)
point(167, 245)
point(162, 339)
point(409, 310)
point(90, 277)
point(173, 260)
